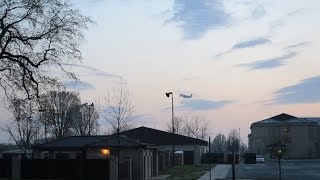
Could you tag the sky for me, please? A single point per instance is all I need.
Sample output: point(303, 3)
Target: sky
point(243, 60)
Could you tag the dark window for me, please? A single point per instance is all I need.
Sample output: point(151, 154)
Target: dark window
point(188, 157)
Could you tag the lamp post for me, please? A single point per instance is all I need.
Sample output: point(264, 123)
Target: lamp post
point(279, 161)
point(168, 95)
point(173, 130)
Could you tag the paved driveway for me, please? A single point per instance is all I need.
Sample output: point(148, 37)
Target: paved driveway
point(291, 170)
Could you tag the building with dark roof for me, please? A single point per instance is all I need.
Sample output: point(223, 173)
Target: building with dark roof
point(192, 148)
point(148, 149)
point(299, 135)
point(138, 154)
point(158, 137)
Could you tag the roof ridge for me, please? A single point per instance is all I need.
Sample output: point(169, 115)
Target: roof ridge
point(163, 132)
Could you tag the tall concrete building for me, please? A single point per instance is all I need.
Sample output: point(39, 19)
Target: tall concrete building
point(298, 137)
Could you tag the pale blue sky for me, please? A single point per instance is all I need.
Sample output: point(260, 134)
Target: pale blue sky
point(244, 60)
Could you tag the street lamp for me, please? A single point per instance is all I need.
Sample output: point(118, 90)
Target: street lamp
point(173, 131)
point(168, 95)
point(279, 161)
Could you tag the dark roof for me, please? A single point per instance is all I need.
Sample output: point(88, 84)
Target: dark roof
point(124, 142)
point(283, 117)
point(83, 142)
point(157, 137)
point(286, 119)
point(314, 119)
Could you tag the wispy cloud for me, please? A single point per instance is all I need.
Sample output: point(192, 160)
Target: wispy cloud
point(306, 91)
point(198, 17)
point(281, 22)
point(269, 63)
point(259, 41)
point(201, 104)
point(78, 85)
point(251, 43)
point(85, 70)
point(301, 44)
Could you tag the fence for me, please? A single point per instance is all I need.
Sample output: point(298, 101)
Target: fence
point(5, 168)
point(216, 158)
point(67, 169)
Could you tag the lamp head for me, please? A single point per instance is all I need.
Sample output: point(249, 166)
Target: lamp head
point(279, 151)
point(105, 152)
point(168, 94)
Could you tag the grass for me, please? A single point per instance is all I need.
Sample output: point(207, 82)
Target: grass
point(186, 172)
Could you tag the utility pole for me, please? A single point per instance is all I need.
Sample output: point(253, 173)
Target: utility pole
point(279, 161)
point(173, 130)
point(233, 161)
point(209, 158)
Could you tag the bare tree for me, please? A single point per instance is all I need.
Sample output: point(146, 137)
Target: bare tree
point(233, 141)
point(118, 109)
point(219, 143)
point(60, 112)
point(36, 35)
point(196, 127)
point(85, 120)
point(24, 127)
point(178, 123)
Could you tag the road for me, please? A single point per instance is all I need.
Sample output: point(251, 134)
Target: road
point(291, 170)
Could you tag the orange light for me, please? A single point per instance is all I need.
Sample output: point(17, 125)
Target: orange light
point(105, 152)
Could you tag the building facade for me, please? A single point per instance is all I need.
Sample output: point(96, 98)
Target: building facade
point(299, 137)
point(146, 150)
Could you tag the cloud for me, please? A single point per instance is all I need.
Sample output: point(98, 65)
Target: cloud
point(281, 22)
point(258, 12)
point(251, 43)
point(85, 70)
point(246, 44)
point(269, 63)
point(301, 44)
point(78, 85)
point(306, 91)
point(198, 17)
point(202, 105)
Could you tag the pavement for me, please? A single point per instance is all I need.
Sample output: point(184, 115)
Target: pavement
point(290, 169)
point(220, 171)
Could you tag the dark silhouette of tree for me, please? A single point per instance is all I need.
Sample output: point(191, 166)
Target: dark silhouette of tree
point(178, 124)
point(85, 120)
point(36, 35)
point(243, 148)
point(24, 127)
point(233, 141)
point(196, 127)
point(219, 144)
point(60, 112)
point(118, 109)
